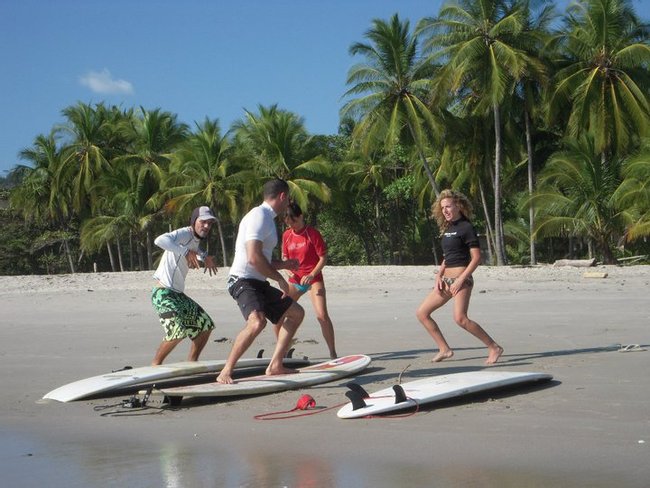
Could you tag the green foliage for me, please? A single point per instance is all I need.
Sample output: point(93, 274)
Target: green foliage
point(344, 246)
point(468, 100)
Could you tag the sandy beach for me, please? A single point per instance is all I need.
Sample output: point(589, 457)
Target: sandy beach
point(589, 427)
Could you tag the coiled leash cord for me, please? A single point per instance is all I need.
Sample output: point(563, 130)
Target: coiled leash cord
point(305, 402)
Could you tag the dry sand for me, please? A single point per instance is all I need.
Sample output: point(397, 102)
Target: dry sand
point(589, 427)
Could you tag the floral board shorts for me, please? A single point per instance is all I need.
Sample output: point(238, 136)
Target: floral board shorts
point(180, 316)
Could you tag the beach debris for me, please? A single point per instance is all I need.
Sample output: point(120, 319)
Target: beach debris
point(578, 263)
point(594, 274)
point(631, 348)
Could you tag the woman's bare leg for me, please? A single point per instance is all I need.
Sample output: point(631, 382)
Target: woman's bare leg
point(319, 301)
point(461, 306)
point(433, 301)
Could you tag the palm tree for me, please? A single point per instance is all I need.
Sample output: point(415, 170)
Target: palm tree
point(32, 197)
point(538, 16)
point(479, 43)
point(368, 175)
point(392, 84)
point(465, 162)
point(41, 197)
point(603, 77)
point(154, 136)
point(201, 173)
point(124, 212)
point(84, 158)
point(275, 143)
point(634, 192)
point(576, 196)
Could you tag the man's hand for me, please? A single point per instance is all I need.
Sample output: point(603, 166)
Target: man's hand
point(210, 265)
point(192, 259)
point(284, 286)
point(307, 280)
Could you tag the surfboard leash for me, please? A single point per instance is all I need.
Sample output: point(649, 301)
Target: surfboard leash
point(131, 406)
point(389, 416)
point(305, 402)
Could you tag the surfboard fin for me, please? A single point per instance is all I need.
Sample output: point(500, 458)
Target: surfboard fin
point(260, 353)
point(356, 399)
point(125, 368)
point(357, 388)
point(290, 353)
point(173, 401)
point(400, 395)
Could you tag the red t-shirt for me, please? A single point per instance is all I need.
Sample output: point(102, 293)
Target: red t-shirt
point(307, 246)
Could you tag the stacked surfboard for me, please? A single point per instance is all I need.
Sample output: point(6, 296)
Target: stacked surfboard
point(255, 385)
point(128, 377)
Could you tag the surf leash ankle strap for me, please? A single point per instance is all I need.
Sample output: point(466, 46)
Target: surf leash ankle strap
point(305, 402)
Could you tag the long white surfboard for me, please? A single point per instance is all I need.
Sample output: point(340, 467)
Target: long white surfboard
point(148, 374)
point(431, 389)
point(254, 385)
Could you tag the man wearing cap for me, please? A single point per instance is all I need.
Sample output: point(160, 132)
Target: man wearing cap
point(180, 316)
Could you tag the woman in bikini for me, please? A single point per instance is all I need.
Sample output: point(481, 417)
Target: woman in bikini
point(462, 255)
point(305, 244)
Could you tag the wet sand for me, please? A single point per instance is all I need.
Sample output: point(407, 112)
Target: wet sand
point(588, 427)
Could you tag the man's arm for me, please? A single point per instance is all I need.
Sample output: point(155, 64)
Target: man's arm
point(257, 259)
point(169, 242)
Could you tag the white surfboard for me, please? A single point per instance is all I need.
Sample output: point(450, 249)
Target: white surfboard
point(148, 374)
point(431, 389)
point(255, 385)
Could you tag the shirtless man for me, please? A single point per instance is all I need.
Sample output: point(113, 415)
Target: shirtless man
point(462, 255)
point(257, 299)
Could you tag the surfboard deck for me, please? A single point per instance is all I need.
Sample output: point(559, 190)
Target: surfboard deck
point(255, 385)
point(431, 389)
point(120, 379)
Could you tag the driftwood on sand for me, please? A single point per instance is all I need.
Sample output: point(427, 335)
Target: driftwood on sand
point(578, 263)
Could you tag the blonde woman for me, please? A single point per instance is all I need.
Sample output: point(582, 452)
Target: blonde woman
point(462, 255)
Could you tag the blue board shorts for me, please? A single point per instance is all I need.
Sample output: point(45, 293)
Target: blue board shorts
point(180, 316)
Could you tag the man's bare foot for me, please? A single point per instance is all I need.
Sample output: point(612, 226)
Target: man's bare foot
point(495, 354)
point(442, 355)
point(225, 378)
point(281, 370)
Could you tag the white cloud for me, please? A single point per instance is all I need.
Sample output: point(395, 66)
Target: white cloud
point(103, 82)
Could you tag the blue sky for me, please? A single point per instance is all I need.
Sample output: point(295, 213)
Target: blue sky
point(195, 58)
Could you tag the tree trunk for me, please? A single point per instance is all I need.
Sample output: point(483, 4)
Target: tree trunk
point(379, 235)
point(68, 255)
point(429, 173)
point(131, 253)
point(425, 164)
point(149, 250)
point(119, 255)
point(140, 249)
point(488, 223)
point(435, 235)
point(498, 219)
point(110, 256)
point(222, 241)
point(531, 209)
point(608, 255)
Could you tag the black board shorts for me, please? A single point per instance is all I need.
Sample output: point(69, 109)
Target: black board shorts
point(255, 295)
